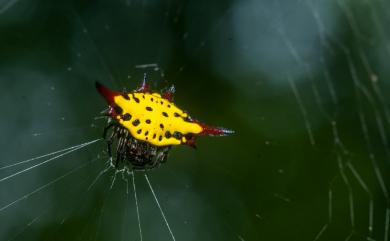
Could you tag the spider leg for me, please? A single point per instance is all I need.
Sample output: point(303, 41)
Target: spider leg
point(119, 151)
point(106, 129)
point(118, 154)
point(109, 151)
point(109, 141)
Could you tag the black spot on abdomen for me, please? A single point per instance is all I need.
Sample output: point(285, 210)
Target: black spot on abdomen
point(126, 96)
point(148, 108)
point(177, 135)
point(118, 110)
point(126, 117)
point(165, 114)
point(136, 122)
point(136, 99)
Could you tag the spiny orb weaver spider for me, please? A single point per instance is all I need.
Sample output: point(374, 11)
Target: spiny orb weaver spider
point(144, 125)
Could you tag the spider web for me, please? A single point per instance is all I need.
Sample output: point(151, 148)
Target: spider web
point(303, 84)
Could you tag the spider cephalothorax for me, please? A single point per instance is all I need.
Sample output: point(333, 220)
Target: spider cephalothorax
point(144, 125)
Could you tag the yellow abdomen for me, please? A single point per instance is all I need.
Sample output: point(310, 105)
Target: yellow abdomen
point(151, 118)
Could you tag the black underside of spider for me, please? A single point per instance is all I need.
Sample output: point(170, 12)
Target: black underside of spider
point(131, 153)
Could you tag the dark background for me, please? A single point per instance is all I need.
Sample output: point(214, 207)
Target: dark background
point(303, 83)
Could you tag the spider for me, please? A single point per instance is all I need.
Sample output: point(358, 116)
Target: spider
point(144, 125)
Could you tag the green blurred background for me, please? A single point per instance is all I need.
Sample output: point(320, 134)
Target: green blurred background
point(303, 83)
